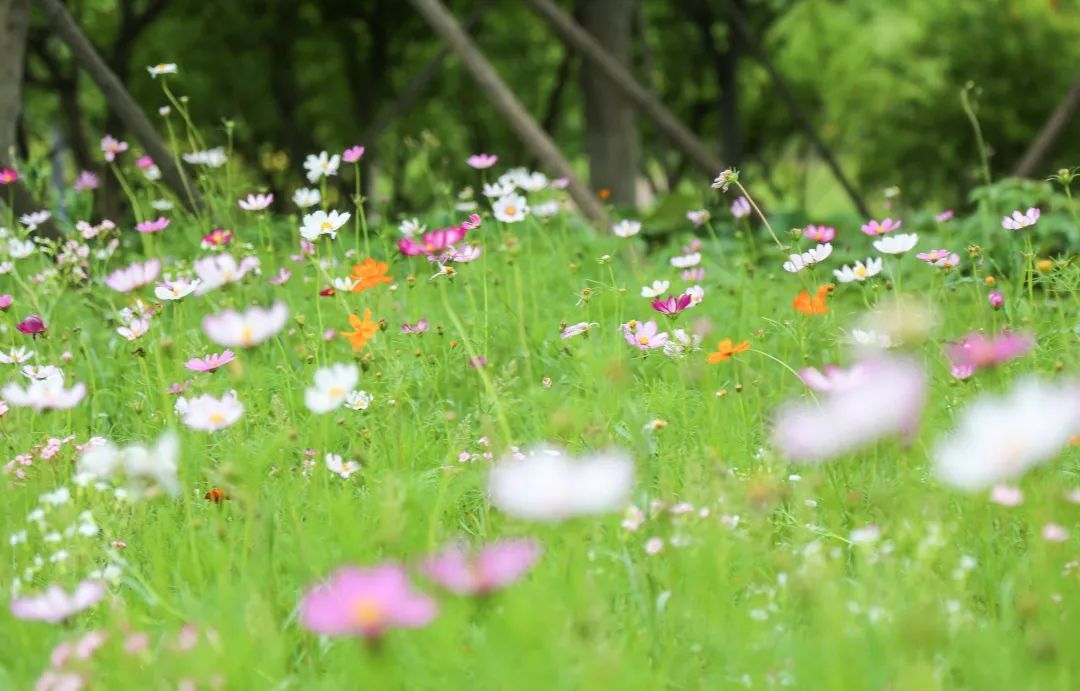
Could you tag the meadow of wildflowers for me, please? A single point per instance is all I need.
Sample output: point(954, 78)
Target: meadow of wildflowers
point(279, 444)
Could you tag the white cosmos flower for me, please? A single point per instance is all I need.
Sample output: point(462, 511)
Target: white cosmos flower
point(897, 243)
point(209, 414)
point(510, 209)
point(135, 329)
point(20, 249)
point(335, 465)
point(680, 344)
point(685, 261)
point(217, 270)
point(814, 255)
point(33, 220)
point(358, 400)
point(411, 226)
point(626, 228)
point(859, 272)
point(1020, 220)
point(305, 197)
point(532, 181)
point(657, 289)
point(141, 465)
point(871, 339)
point(248, 328)
point(176, 290)
point(696, 293)
point(548, 485)
point(999, 438)
point(256, 202)
point(321, 166)
point(322, 223)
point(343, 284)
point(44, 394)
point(498, 189)
point(16, 356)
point(211, 158)
point(162, 68)
point(332, 387)
point(41, 371)
point(162, 205)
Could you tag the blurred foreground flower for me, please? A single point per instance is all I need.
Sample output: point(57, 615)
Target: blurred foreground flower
point(493, 567)
point(142, 466)
point(55, 605)
point(365, 602)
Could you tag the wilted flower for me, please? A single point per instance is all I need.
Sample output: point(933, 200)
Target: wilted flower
point(365, 602)
point(490, 568)
point(725, 179)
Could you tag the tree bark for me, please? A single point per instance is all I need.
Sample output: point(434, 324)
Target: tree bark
point(526, 128)
point(611, 138)
point(1039, 150)
point(647, 103)
point(117, 97)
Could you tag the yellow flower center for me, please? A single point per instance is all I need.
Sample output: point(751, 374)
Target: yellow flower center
point(217, 417)
point(643, 340)
point(860, 271)
point(247, 335)
point(366, 613)
point(336, 392)
point(511, 210)
point(327, 225)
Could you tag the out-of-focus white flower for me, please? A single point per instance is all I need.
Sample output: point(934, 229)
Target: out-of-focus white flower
point(332, 387)
point(321, 166)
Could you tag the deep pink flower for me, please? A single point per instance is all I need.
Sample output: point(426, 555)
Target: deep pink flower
point(433, 242)
point(5, 302)
point(353, 154)
point(365, 602)
point(8, 176)
point(417, 328)
point(672, 305)
point(144, 162)
point(481, 161)
point(210, 362)
point(873, 227)
point(491, 568)
point(32, 325)
point(977, 351)
point(820, 233)
point(219, 237)
point(472, 223)
point(153, 226)
point(996, 299)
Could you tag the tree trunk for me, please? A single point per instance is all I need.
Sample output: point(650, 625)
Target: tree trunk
point(487, 80)
point(611, 138)
point(1043, 145)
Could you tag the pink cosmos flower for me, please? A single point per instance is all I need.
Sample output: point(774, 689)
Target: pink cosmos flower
point(281, 277)
point(740, 208)
point(219, 237)
point(962, 372)
point(472, 222)
point(353, 154)
point(477, 362)
point(256, 202)
point(210, 362)
point(55, 605)
point(134, 276)
point(672, 305)
point(644, 336)
point(365, 602)
point(1019, 221)
point(940, 258)
point(831, 378)
point(32, 325)
point(8, 176)
point(307, 248)
point(144, 162)
point(417, 328)
point(820, 233)
point(153, 226)
point(996, 299)
point(112, 147)
point(86, 181)
point(481, 161)
point(873, 227)
point(1006, 495)
point(493, 567)
point(434, 242)
point(693, 275)
point(977, 351)
point(5, 302)
point(945, 215)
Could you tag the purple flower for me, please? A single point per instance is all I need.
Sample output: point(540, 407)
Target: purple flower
point(86, 181)
point(491, 568)
point(353, 154)
point(5, 302)
point(996, 299)
point(945, 215)
point(365, 602)
point(417, 328)
point(32, 325)
point(55, 605)
point(672, 305)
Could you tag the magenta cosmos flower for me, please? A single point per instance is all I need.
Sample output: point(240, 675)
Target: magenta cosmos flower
point(32, 325)
point(210, 362)
point(153, 226)
point(873, 227)
point(219, 237)
point(481, 161)
point(8, 176)
point(976, 350)
point(365, 602)
point(353, 154)
point(55, 605)
point(479, 573)
point(5, 302)
point(820, 233)
point(417, 328)
point(672, 305)
point(434, 242)
point(996, 299)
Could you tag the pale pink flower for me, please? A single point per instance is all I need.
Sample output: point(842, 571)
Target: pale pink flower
point(493, 567)
point(365, 602)
point(481, 161)
point(210, 362)
point(55, 604)
point(1052, 532)
point(153, 226)
point(353, 154)
point(1020, 220)
point(873, 227)
point(1006, 495)
point(134, 276)
point(248, 328)
point(256, 202)
point(112, 147)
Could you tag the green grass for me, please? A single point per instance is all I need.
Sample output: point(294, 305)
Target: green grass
point(957, 593)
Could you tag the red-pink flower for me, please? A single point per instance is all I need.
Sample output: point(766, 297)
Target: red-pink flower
point(210, 362)
point(219, 237)
point(8, 176)
point(365, 602)
point(433, 242)
point(976, 350)
point(417, 328)
point(144, 162)
point(32, 325)
point(996, 299)
point(353, 154)
point(672, 305)
point(479, 573)
point(153, 226)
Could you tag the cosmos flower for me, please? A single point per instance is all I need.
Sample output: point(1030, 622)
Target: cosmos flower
point(256, 202)
point(211, 158)
point(944, 216)
point(305, 198)
point(369, 274)
point(112, 147)
point(5, 302)
point(358, 400)
point(740, 208)
point(332, 386)
point(996, 299)
point(433, 243)
point(681, 343)
point(698, 218)
point(813, 305)
point(831, 378)
point(644, 336)
point(820, 233)
point(546, 484)
point(1020, 220)
point(1000, 437)
point(896, 244)
point(135, 329)
point(685, 261)
point(815, 255)
point(498, 189)
point(209, 414)
point(34, 219)
point(321, 166)
point(411, 227)
point(217, 270)
point(873, 227)
point(511, 208)
point(56, 605)
point(153, 226)
point(175, 290)
point(942, 258)
point(672, 305)
point(44, 394)
point(31, 326)
point(338, 466)
point(352, 154)
point(211, 362)
point(886, 400)
point(419, 327)
point(976, 350)
point(216, 239)
point(726, 349)
point(366, 603)
point(321, 223)
point(86, 181)
point(363, 330)
point(859, 272)
point(577, 329)
point(482, 571)
point(16, 356)
point(8, 176)
point(626, 228)
point(156, 466)
point(41, 371)
point(134, 276)
point(657, 289)
point(481, 161)
point(248, 328)
point(161, 69)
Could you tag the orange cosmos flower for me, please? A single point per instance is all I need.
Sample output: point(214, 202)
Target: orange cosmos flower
point(725, 349)
point(369, 274)
point(813, 305)
point(364, 330)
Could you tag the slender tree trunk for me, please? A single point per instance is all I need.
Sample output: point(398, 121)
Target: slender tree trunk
point(1043, 145)
point(611, 137)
